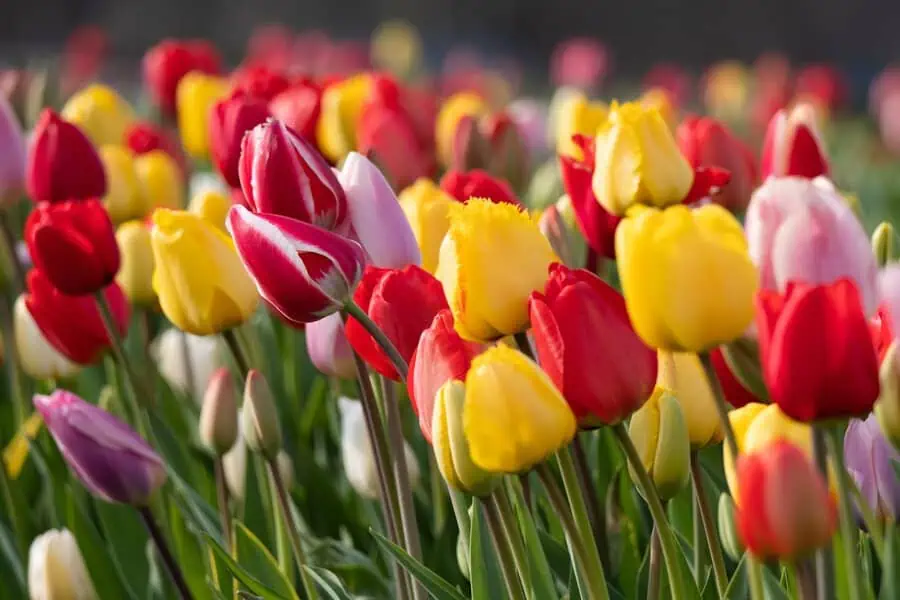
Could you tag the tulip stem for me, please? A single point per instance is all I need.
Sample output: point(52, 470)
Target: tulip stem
point(709, 527)
point(598, 522)
point(119, 352)
point(805, 578)
point(9, 244)
point(14, 371)
point(516, 544)
point(721, 405)
point(666, 537)
point(165, 553)
point(503, 547)
point(234, 346)
point(290, 525)
point(222, 498)
point(848, 528)
point(653, 579)
point(825, 555)
point(353, 310)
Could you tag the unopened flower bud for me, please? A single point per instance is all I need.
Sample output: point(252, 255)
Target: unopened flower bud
point(887, 408)
point(558, 225)
point(470, 149)
point(660, 434)
point(728, 534)
point(261, 427)
point(509, 157)
point(56, 568)
point(742, 357)
point(218, 416)
point(883, 243)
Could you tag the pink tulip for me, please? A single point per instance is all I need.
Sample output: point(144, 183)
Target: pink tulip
point(328, 347)
point(12, 154)
point(793, 146)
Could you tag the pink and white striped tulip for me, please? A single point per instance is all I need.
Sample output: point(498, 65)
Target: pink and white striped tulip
point(302, 271)
point(283, 174)
point(793, 146)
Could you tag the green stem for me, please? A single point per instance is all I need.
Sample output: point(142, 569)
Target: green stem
point(666, 537)
point(653, 580)
point(461, 512)
point(240, 357)
point(514, 537)
point(848, 529)
point(503, 548)
point(805, 578)
point(14, 522)
point(353, 310)
point(299, 555)
point(825, 555)
point(9, 243)
point(701, 551)
point(709, 527)
point(721, 405)
point(437, 486)
point(754, 574)
point(222, 501)
point(21, 410)
point(119, 352)
point(165, 554)
point(586, 483)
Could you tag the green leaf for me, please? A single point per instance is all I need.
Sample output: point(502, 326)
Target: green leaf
point(259, 562)
point(126, 537)
point(890, 583)
point(189, 552)
point(328, 583)
point(251, 582)
point(541, 579)
point(256, 510)
point(487, 580)
point(11, 568)
point(739, 587)
point(438, 587)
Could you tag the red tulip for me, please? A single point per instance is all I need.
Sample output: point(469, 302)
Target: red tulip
point(403, 303)
point(229, 120)
point(784, 508)
point(259, 81)
point(882, 331)
point(74, 244)
point(706, 142)
point(299, 107)
point(816, 351)
point(735, 393)
point(577, 314)
point(166, 63)
point(144, 137)
point(477, 184)
point(62, 163)
point(72, 324)
point(792, 146)
point(824, 84)
point(283, 174)
point(440, 356)
point(303, 272)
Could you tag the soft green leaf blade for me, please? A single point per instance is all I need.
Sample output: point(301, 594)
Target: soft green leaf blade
point(328, 583)
point(739, 587)
point(438, 587)
point(251, 582)
point(189, 552)
point(486, 578)
point(12, 570)
point(890, 583)
point(126, 537)
point(259, 562)
point(542, 584)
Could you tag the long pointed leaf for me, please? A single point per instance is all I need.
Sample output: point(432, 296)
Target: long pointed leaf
point(438, 587)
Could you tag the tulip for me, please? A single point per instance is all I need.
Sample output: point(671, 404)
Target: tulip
point(135, 276)
point(101, 113)
point(260, 424)
point(735, 392)
point(62, 163)
point(692, 288)
point(493, 257)
point(509, 156)
point(304, 272)
point(660, 436)
point(728, 534)
point(801, 230)
point(74, 244)
point(870, 460)
point(887, 408)
point(211, 206)
point(577, 313)
point(259, 81)
point(283, 174)
point(402, 303)
point(427, 208)
point(707, 142)
point(160, 179)
point(299, 107)
point(638, 162)
point(341, 106)
point(557, 223)
point(663, 101)
point(202, 287)
point(576, 115)
point(124, 198)
point(218, 425)
point(816, 351)
point(784, 509)
point(328, 348)
point(470, 149)
point(143, 137)
point(883, 243)
point(477, 184)
point(37, 357)
point(531, 118)
point(229, 119)
point(187, 362)
point(376, 218)
point(513, 415)
point(452, 111)
point(682, 374)
point(12, 148)
point(451, 449)
point(356, 452)
point(196, 95)
point(104, 453)
point(56, 569)
point(793, 146)
point(168, 62)
point(889, 289)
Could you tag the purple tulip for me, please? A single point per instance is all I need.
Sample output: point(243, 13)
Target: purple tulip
point(12, 154)
point(870, 460)
point(328, 347)
point(109, 458)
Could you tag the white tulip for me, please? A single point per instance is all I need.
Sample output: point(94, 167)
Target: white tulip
point(37, 357)
point(234, 466)
point(56, 568)
point(202, 357)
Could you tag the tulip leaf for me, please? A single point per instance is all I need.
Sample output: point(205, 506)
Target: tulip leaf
point(438, 587)
point(259, 562)
point(487, 582)
point(189, 552)
point(739, 587)
point(328, 583)
point(195, 509)
point(127, 539)
point(256, 509)
point(251, 582)
point(12, 572)
point(890, 583)
point(541, 578)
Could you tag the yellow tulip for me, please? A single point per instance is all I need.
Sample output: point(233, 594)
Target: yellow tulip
point(135, 275)
point(637, 161)
point(454, 108)
point(160, 180)
point(194, 97)
point(341, 106)
point(660, 436)
point(659, 99)
point(101, 113)
point(513, 416)
point(578, 115)
point(682, 374)
point(687, 278)
point(427, 208)
point(202, 286)
point(211, 205)
point(124, 198)
point(491, 260)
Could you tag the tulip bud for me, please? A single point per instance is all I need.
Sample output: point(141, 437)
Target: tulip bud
point(234, 465)
point(682, 374)
point(37, 357)
point(229, 120)
point(328, 348)
point(728, 533)
point(470, 148)
point(196, 94)
point(546, 186)
point(124, 198)
point(793, 146)
point(451, 450)
point(573, 114)
point(12, 148)
point(261, 425)
point(136, 272)
point(167, 63)
point(211, 206)
point(509, 157)
point(144, 137)
point(447, 124)
point(883, 243)
point(56, 569)
point(259, 81)
point(559, 226)
point(660, 435)
point(101, 113)
point(187, 362)
point(218, 424)
point(871, 461)
point(887, 408)
point(299, 107)
point(741, 358)
point(160, 180)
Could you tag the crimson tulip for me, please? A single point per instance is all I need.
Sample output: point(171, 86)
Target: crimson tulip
point(283, 174)
point(72, 324)
point(477, 184)
point(440, 356)
point(166, 63)
point(74, 244)
point(299, 107)
point(816, 351)
point(143, 137)
point(403, 303)
point(229, 120)
point(578, 313)
point(259, 81)
point(62, 162)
